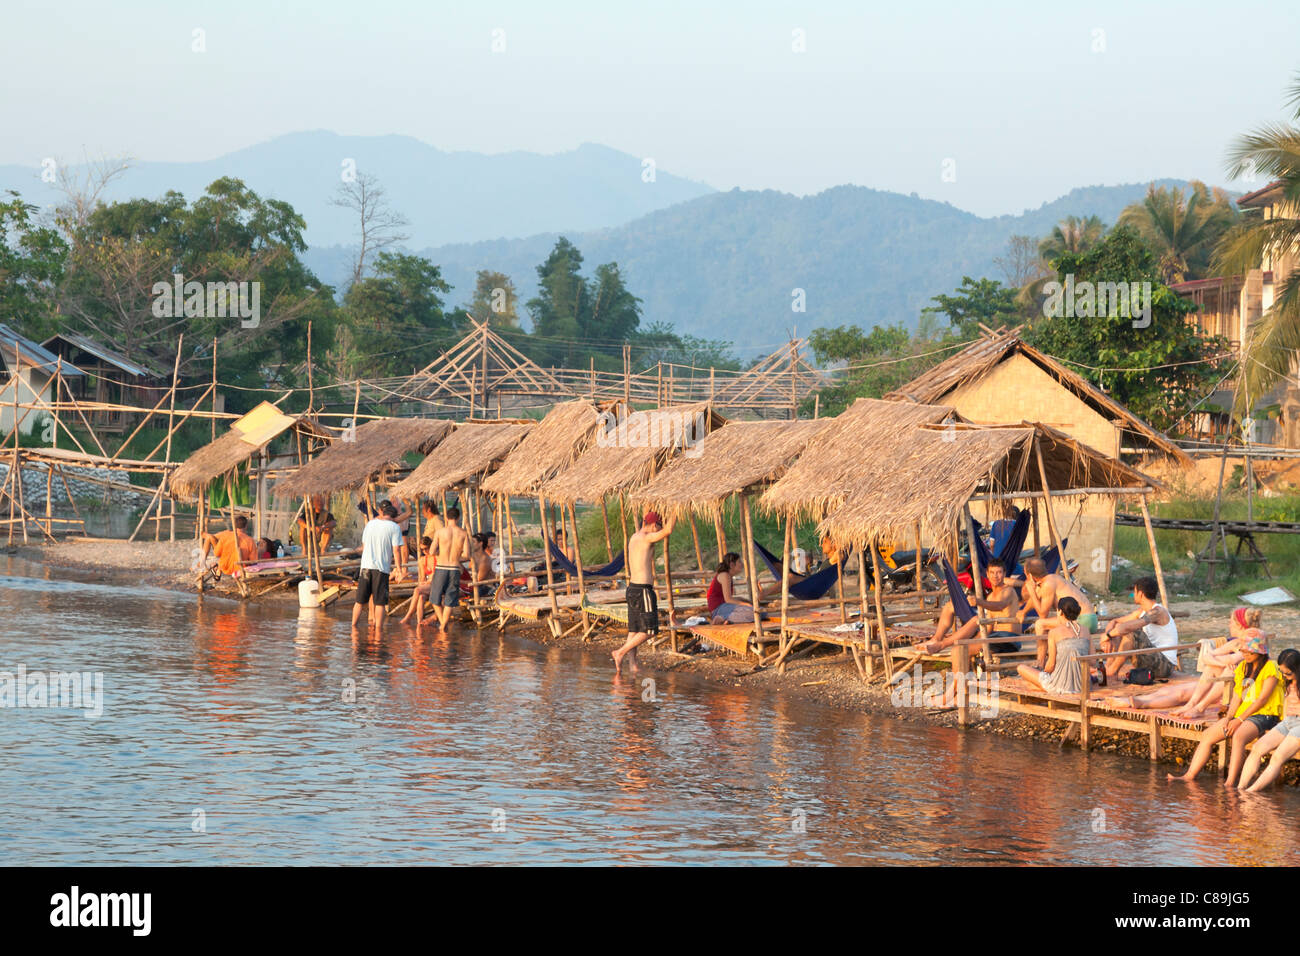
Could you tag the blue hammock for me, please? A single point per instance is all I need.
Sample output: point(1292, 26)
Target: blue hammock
point(1008, 539)
point(957, 594)
point(571, 569)
point(810, 588)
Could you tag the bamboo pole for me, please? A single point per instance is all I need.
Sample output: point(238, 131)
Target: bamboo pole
point(582, 581)
point(604, 517)
point(171, 414)
point(14, 476)
point(546, 554)
point(977, 579)
point(622, 526)
point(919, 589)
point(695, 539)
point(747, 534)
point(1155, 553)
point(785, 593)
point(880, 610)
point(1051, 517)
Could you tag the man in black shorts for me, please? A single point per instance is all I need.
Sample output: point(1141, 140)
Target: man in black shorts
point(450, 547)
point(381, 555)
point(642, 604)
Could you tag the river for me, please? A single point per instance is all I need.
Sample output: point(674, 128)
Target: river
point(235, 733)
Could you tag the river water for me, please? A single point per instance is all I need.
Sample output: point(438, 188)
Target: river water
point(245, 734)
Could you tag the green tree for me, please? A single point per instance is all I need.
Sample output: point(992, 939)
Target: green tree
point(1182, 229)
point(495, 300)
point(1272, 343)
point(573, 317)
point(1157, 365)
point(395, 317)
point(977, 302)
point(660, 342)
point(1073, 234)
point(32, 259)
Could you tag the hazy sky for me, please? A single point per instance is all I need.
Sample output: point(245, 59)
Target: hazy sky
point(1027, 99)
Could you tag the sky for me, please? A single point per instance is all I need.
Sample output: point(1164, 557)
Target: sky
point(994, 107)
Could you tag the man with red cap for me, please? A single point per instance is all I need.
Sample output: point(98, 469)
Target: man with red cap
point(642, 605)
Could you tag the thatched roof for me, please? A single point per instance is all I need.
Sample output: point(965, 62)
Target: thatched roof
point(629, 454)
point(554, 444)
point(473, 449)
point(937, 470)
point(247, 436)
point(979, 358)
point(868, 430)
point(368, 455)
point(732, 459)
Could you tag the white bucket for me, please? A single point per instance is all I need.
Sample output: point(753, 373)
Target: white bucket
point(308, 593)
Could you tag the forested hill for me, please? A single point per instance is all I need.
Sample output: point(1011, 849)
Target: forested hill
point(725, 265)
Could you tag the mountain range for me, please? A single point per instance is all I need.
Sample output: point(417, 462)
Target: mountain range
point(722, 265)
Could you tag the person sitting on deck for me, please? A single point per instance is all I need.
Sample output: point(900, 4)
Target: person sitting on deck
point(721, 597)
point(1200, 698)
point(484, 547)
point(1003, 600)
point(1150, 618)
point(425, 571)
point(265, 549)
point(1043, 593)
point(1067, 641)
point(322, 521)
point(432, 520)
point(1255, 709)
point(228, 548)
point(1283, 741)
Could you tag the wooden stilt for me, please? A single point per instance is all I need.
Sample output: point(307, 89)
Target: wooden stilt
point(1155, 553)
point(785, 589)
point(747, 540)
point(880, 610)
point(1051, 517)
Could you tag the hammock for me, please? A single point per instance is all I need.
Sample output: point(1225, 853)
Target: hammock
point(571, 569)
point(808, 589)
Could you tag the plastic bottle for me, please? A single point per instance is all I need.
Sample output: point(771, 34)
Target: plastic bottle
point(279, 552)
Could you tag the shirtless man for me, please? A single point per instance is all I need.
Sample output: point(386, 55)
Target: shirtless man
point(642, 605)
point(485, 547)
point(1003, 600)
point(1042, 593)
point(450, 547)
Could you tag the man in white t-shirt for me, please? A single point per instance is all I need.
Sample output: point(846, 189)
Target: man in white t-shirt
point(381, 552)
point(1150, 617)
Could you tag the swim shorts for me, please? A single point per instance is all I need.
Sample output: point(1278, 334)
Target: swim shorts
point(445, 589)
point(372, 585)
point(1263, 722)
point(642, 609)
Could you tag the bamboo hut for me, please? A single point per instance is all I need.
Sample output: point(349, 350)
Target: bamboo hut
point(1000, 379)
point(367, 457)
point(551, 446)
point(471, 450)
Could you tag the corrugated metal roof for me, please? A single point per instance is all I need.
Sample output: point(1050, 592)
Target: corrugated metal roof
point(77, 340)
point(18, 351)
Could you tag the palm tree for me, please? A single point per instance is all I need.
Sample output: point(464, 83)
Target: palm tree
point(1181, 229)
point(1071, 234)
point(1273, 342)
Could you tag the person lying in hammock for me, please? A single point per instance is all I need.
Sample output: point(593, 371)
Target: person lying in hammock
point(1003, 600)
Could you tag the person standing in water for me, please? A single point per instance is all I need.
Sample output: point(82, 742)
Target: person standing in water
point(450, 547)
point(642, 604)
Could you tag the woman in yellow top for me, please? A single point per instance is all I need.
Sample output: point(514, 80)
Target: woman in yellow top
point(1283, 741)
point(1255, 709)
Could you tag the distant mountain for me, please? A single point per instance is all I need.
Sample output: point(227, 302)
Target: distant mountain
point(725, 265)
point(447, 196)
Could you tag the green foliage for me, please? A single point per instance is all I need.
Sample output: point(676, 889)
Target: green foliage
point(495, 299)
point(1182, 229)
point(395, 317)
point(977, 302)
point(571, 313)
point(32, 260)
point(659, 342)
point(1157, 370)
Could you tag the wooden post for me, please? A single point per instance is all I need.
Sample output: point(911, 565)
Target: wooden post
point(721, 535)
point(839, 584)
point(1038, 553)
point(695, 539)
point(920, 591)
point(668, 591)
point(604, 518)
point(977, 579)
point(577, 559)
point(747, 535)
point(785, 591)
point(546, 554)
point(1047, 506)
point(880, 609)
point(862, 612)
point(171, 414)
point(1155, 553)
point(622, 526)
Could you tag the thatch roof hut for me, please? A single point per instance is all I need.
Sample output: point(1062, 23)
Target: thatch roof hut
point(868, 431)
point(552, 445)
point(1035, 375)
point(738, 457)
point(369, 455)
point(629, 454)
point(473, 449)
point(247, 437)
point(937, 470)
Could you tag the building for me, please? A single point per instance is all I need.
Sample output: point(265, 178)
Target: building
point(999, 379)
point(111, 379)
point(28, 378)
point(1229, 306)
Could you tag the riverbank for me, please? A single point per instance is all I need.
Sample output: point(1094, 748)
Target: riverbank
point(825, 678)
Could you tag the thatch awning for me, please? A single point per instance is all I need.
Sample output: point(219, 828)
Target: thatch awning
point(735, 458)
point(553, 444)
point(368, 455)
point(867, 431)
point(629, 454)
point(979, 358)
point(937, 470)
point(247, 437)
point(473, 449)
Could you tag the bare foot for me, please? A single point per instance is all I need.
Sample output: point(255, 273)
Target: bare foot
point(618, 662)
point(1170, 776)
